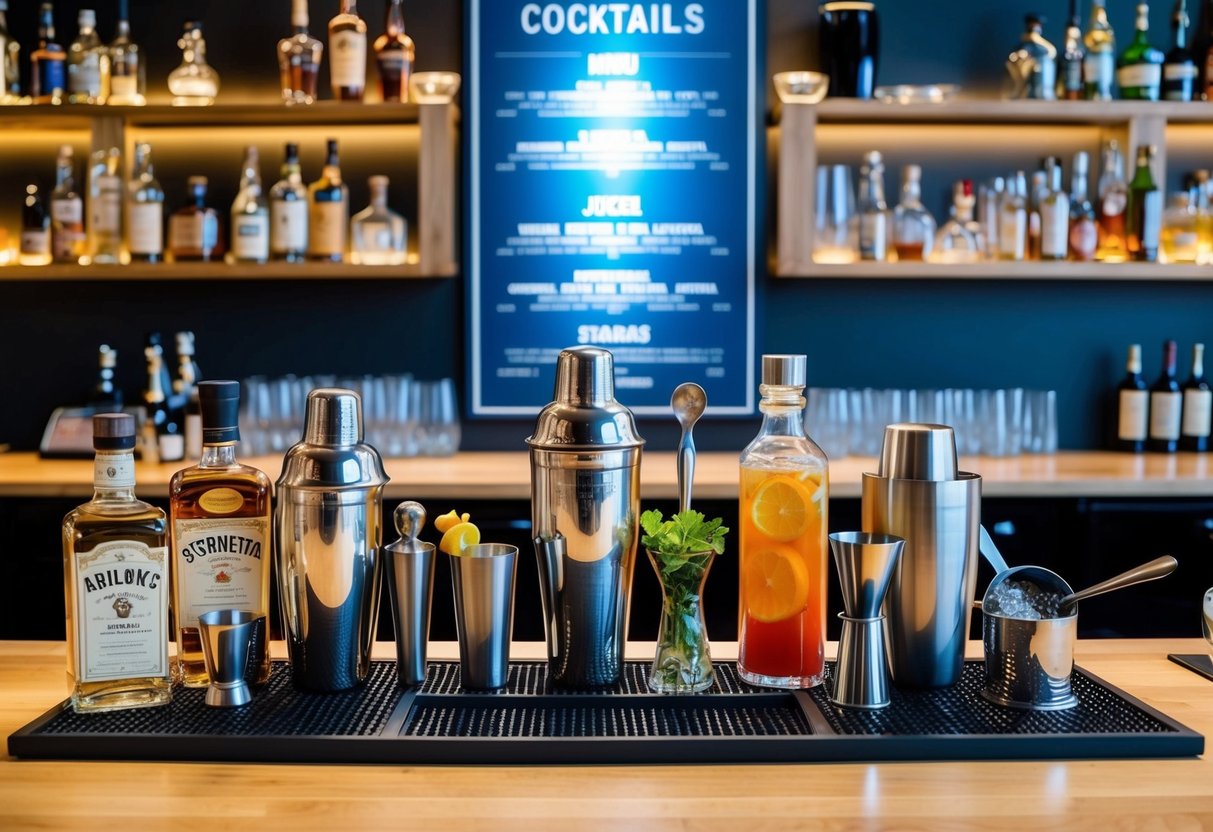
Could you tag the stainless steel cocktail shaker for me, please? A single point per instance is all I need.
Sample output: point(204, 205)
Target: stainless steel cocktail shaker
point(585, 511)
point(327, 527)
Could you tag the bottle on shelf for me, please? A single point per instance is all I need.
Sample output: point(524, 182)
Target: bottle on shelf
point(347, 53)
point(105, 202)
point(1036, 195)
point(154, 343)
point(48, 70)
point(185, 394)
point(144, 210)
point(875, 221)
point(1139, 69)
point(1204, 217)
point(84, 62)
point(299, 59)
point(956, 241)
point(1179, 72)
point(394, 53)
point(220, 513)
point(1069, 79)
point(1179, 241)
point(1084, 233)
point(1143, 216)
point(378, 235)
point(328, 212)
point(1099, 66)
point(1032, 67)
point(1197, 406)
point(913, 225)
point(1133, 406)
point(288, 211)
point(10, 61)
point(195, 83)
point(106, 396)
point(35, 247)
point(1204, 54)
point(194, 231)
point(1166, 405)
point(116, 568)
point(67, 211)
point(1113, 202)
point(1054, 215)
point(250, 214)
point(1013, 219)
point(124, 73)
point(163, 440)
point(991, 200)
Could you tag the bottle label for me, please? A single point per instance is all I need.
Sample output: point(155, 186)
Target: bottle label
point(193, 436)
point(36, 242)
point(68, 211)
point(1012, 234)
point(145, 227)
point(123, 86)
point(114, 470)
point(221, 500)
point(1164, 415)
point(171, 447)
point(288, 226)
point(185, 232)
point(121, 612)
point(1198, 411)
point(347, 59)
point(1055, 231)
point(1084, 239)
point(1072, 78)
point(873, 236)
point(1151, 219)
point(251, 237)
point(84, 78)
point(1113, 203)
point(219, 564)
point(1139, 75)
point(327, 226)
point(106, 209)
point(1133, 408)
point(1179, 72)
point(393, 60)
point(376, 236)
point(51, 77)
point(1098, 69)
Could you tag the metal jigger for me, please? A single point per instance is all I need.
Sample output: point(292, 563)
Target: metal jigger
point(410, 581)
point(865, 564)
point(226, 636)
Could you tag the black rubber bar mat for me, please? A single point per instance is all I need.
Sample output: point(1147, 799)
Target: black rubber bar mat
point(531, 723)
point(1198, 663)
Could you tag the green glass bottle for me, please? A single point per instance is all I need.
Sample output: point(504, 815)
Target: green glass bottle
point(1144, 211)
point(1139, 69)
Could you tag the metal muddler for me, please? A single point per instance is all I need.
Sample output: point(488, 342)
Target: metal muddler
point(408, 568)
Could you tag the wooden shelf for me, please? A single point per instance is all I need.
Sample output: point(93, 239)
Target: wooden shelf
point(216, 271)
point(994, 111)
point(1001, 270)
point(70, 116)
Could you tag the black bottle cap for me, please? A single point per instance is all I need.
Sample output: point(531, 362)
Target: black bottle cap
point(220, 403)
point(113, 432)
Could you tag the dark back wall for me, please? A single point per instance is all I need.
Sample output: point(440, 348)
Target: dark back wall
point(1066, 336)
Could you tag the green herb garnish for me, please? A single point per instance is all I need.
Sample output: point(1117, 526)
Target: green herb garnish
point(683, 534)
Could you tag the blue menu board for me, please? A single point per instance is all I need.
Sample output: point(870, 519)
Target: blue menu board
point(612, 197)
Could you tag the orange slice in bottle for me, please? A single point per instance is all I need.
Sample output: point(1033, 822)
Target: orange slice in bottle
point(783, 508)
point(776, 583)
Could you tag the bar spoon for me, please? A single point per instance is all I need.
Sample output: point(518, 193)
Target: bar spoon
point(688, 403)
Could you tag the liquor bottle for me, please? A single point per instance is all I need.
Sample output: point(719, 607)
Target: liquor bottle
point(106, 396)
point(1166, 405)
point(1179, 73)
point(1036, 194)
point(116, 578)
point(378, 235)
point(1013, 220)
point(394, 53)
point(1198, 406)
point(194, 232)
point(966, 208)
point(991, 201)
point(1113, 202)
point(145, 209)
point(250, 214)
point(874, 217)
point(347, 53)
point(194, 83)
point(1139, 69)
point(1204, 217)
point(163, 440)
point(124, 73)
point(154, 343)
point(1133, 406)
point(913, 225)
point(1054, 216)
point(328, 212)
point(956, 242)
point(84, 62)
point(1179, 241)
point(1144, 212)
point(1032, 67)
point(35, 230)
point(299, 59)
point(1099, 67)
point(185, 394)
point(67, 211)
point(48, 71)
point(10, 61)
point(220, 512)
point(288, 211)
point(105, 202)
point(1084, 232)
point(783, 474)
point(1204, 55)
point(1069, 79)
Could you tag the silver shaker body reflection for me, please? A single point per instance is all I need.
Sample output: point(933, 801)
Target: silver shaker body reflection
point(585, 504)
point(328, 532)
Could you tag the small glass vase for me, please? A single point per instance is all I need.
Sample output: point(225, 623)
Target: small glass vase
point(683, 663)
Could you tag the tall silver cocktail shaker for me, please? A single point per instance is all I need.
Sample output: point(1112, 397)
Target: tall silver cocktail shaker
point(327, 528)
point(585, 511)
point(919, 495)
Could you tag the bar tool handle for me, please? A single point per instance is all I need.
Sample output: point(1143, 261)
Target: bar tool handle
point(686, 471)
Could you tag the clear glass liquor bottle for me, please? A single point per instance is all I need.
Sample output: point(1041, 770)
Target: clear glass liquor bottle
point(328, 212)
point(913, 225)
point(250, 214)
point(1099, 67)
point(1013, 219)
point(84, 62)
point(67, 211)
point(1084, 233)
point(1180, 240)
point(48, 71)
point(347, 53)
point(288, 211)
point(956, 242)
point(105, 189)
point(124, 73)
point(1204, 216)
point(220, 513)
point(10, 61)
point(1113, 201)
point(1144, 212)
point(1139, 69)
point(1032, 68)
point(194, 231)
point(144, 210)
point(195, 83)
point(1069, 79)
point(116, 572)
point(875, 220)
point(1179, 72)
point(378, 235)
point(299, 59)
point(1054, 215)
point(35, 247)
point(991, 201)
point(394, 52)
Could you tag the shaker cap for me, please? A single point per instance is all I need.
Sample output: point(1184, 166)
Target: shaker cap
point(914, 451)
point(334, 417)
point(785, 370)
point(584, 413)
point(331, 454)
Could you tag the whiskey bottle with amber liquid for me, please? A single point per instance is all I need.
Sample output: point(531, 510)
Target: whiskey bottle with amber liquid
point(220, 514)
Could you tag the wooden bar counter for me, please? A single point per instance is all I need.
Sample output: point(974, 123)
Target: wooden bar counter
point(1122, 795)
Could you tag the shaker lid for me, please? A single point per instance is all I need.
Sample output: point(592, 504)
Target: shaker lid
point(915, 451)
point(584, 413)
point(332, 453)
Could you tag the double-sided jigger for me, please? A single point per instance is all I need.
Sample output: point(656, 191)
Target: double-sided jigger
point(865, 564)
point(410, 580)
point(226, 637)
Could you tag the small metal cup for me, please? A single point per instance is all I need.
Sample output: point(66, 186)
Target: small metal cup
point(483, 581)
point(410, 581)
point(861, 678)
point(226, 637)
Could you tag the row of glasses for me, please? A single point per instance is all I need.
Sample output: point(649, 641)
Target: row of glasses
point(1004, 422)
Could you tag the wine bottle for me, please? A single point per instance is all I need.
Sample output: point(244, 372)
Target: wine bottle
point(1179, 73)
point(1166, 404)
point(1139, 70)
point(1133, 402)
point(1198, 406)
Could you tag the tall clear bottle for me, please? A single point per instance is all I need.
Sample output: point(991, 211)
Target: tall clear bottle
point(250, 214)
point(1084, 232)
point(783, 549)
point(288, 210)
point(1013, 219)
point(875, 221)
point(84, 62)
point(1099, 66)
point(144, 210)
point(124, 74)
point(1054, 215)
point(913, 225)
point(347, 53)
point(67, 211)
point(105, 202)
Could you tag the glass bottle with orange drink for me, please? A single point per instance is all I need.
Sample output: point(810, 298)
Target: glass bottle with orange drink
point(784, 500)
